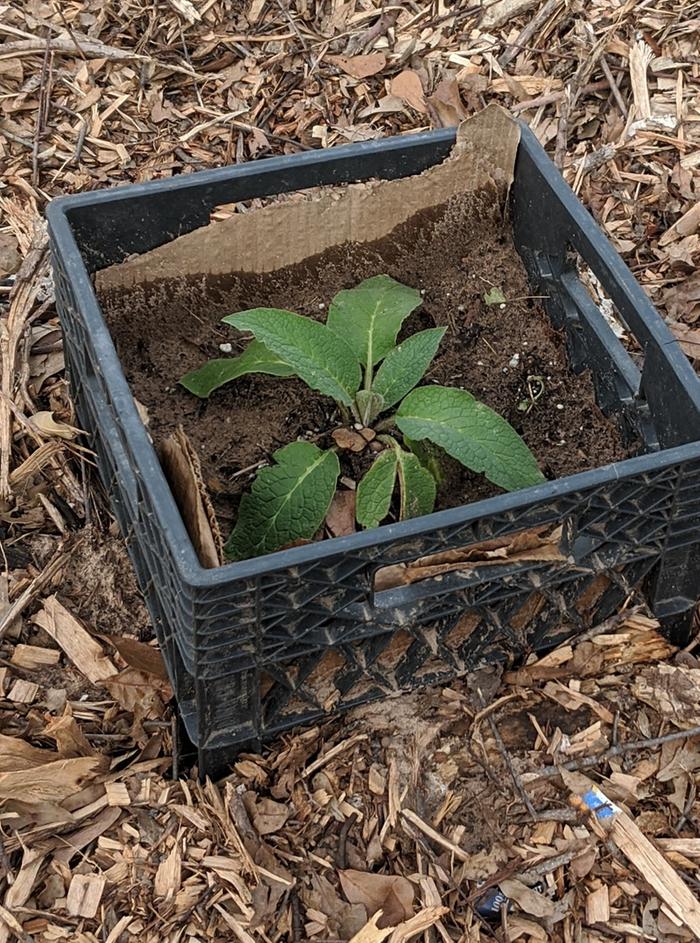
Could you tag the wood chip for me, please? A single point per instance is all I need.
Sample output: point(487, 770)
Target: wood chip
point(33, 656)
point(80, 647)
point(84, 895)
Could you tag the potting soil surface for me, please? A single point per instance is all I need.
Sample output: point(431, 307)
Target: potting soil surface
point(509, 356)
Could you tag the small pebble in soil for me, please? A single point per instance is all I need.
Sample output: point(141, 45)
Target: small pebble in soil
point(504, 370)
point(560, 405)
point(321, 306)
point(460, 308)
point(225, 348)
point(502, 307)
point(514, 361)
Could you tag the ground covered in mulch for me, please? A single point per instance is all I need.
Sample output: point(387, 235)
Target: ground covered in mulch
point(406, 807)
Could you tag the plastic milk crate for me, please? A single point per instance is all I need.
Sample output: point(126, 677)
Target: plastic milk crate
point(258, 646)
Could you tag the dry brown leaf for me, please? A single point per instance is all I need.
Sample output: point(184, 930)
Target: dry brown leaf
point(392, 894)
point(682, 301)
point(672, 691)
point(359, 67)
point(10, 258)
point(140, 656)
point(135, 689)
point(340, 519)
point(688, 338)
point(349, 440)
point(519, 927)
point(445, 105)
point(16, 754)
point(408, 87)
point(528, 900)
point(269, 816)
point(67, 735)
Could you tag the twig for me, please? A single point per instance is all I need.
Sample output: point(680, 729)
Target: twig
point(553, 97)
point(614, 87)
point(520, 789)
point(42, 111)
point(383, 25)
point(629, 747)
point(572, 92)
point(526, 34)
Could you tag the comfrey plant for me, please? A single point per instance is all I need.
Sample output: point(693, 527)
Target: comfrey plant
point(354, 359)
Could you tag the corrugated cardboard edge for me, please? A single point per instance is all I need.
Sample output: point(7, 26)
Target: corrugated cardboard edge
point(283, 234)
point(183, 471)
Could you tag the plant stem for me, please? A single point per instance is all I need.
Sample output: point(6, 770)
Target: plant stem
point(385, 424)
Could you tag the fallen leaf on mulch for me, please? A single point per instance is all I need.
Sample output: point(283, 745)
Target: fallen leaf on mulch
point(10, 258)
point(340, 519)
point(672, 691)
point(445, 105)
point(140, 656)
point(408, 87)
point(269, 816)
point(359, 67)
point(67, 735)
point(392, 894)
point(528, 900)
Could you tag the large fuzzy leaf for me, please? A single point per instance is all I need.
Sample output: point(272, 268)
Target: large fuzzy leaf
point(375, 490)
point(288, 501)
point(256, 358)
point(322, 360)
point(470, 432)
point(369, 316)
point(406, 364)
point(417, 486)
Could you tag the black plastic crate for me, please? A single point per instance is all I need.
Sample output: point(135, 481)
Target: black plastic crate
point(258, 646)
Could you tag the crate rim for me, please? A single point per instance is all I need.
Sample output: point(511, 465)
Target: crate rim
point(148, 467)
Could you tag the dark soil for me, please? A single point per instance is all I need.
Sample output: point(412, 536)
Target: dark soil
point(453, 254)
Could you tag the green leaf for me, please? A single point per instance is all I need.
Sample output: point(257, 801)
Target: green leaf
point(406, 364)
point(256, 358)
point(370, 316)
point(288, 501)
point(494, 296)
point(470, 432)
point(374, 491)
point(417, 486)
point(323, 361)
point(428, 454)
point(370, 404)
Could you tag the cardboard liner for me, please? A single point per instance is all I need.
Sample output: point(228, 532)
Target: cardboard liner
point(286, 233)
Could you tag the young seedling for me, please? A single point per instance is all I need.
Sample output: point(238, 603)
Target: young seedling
point(354, 359)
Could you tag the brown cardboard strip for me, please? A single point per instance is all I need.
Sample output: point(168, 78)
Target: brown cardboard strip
point(285, 233)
